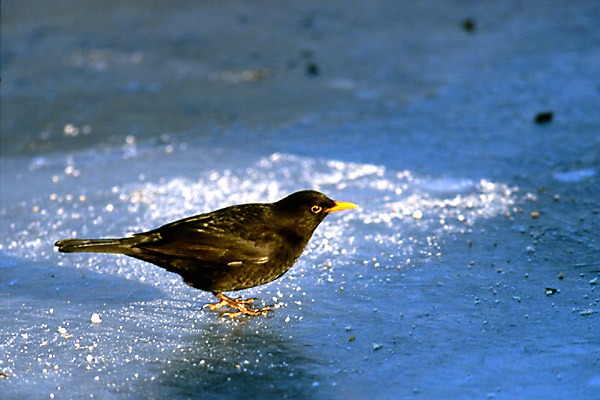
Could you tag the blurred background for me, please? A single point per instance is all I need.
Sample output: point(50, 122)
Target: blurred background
point(468, 132)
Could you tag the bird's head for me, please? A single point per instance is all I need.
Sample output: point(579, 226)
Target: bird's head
point(306, 209)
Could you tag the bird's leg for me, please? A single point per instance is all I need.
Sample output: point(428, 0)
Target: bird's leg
point(237, 303)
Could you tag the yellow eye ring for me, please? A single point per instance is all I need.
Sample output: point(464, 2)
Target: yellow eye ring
point(315, 209)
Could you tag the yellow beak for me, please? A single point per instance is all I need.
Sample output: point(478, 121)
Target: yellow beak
point(341, 205)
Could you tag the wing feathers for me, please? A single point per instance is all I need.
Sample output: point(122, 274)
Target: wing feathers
point(198, 238)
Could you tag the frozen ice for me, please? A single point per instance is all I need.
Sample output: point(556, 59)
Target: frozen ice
point(574, 176)
point(469, 270)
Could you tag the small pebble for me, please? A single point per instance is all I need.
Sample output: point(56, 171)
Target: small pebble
point(543, 117)
point(561, 276)
point(469, 25)
point(312, 69)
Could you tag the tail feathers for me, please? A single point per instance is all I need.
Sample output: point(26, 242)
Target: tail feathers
point(94, 245)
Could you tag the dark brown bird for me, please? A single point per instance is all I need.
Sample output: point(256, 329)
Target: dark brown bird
point(234, 248)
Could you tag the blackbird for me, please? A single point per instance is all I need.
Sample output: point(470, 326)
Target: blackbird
point(234, 248)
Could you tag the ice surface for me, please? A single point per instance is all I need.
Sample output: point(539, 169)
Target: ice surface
point(469, 270)
point(574, 176)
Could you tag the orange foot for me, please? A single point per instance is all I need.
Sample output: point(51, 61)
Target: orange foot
point(239, 304)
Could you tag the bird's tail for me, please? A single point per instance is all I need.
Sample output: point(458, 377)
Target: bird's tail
point(94, 245)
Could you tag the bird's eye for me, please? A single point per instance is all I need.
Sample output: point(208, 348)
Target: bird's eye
point(315, 209)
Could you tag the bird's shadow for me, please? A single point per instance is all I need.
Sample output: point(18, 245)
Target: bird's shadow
point(250, 358)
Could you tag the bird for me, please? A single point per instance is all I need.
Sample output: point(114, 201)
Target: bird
point(229, 249)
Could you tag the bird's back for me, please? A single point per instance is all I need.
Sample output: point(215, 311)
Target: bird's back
point(234, 248)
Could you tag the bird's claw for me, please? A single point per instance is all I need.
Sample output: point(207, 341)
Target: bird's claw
point(238, 303)
point(246, 301)
point(213, 306)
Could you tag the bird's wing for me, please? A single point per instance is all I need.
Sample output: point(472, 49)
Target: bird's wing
point(208, 238)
